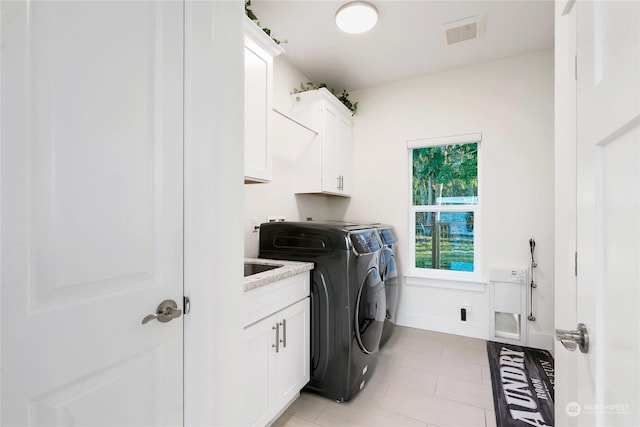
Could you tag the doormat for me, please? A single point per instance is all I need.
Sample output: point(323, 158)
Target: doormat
point(522, 379)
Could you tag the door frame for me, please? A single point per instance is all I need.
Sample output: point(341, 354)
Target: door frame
point(214, 195)
point(565, 213)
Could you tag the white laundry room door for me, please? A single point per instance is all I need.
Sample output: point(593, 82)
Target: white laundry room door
point(606, 375)
point(91, 213)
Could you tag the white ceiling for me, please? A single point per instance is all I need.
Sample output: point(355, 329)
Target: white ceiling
point(408, 40)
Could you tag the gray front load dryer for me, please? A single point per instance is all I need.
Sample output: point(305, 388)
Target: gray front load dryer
point(389, 274)
point(388, 269)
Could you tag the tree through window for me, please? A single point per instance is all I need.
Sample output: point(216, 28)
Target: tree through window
point(444, 205)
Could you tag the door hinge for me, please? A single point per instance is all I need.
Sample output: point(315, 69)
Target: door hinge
point(575, 260)
point(575, 66)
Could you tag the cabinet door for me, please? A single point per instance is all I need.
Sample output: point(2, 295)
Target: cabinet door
point(344, 154)
point(336, 152)
point(324, 167)
point(260, 372)
point(293, 360)
point(330, 150)
point(258, 67)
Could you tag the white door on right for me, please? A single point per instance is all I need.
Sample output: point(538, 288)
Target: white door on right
point(606, 391)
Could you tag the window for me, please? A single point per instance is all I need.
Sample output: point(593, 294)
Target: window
point(445, 203)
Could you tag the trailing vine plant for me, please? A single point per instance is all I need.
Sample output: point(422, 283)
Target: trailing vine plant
point(251, 15)
point(344, 97)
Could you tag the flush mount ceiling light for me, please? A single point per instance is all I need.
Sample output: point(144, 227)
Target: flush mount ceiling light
point(356, 17)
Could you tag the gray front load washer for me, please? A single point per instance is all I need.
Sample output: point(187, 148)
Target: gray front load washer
point(348, 300)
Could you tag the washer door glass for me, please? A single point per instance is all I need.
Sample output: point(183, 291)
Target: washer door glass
point(370, 312)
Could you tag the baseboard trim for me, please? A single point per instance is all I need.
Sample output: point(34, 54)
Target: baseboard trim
point(467, 329)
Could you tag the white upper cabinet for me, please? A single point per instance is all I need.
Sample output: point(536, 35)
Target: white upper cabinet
point(324, 155)
point(259, 51)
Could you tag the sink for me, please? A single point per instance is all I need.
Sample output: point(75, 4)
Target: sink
point(251, 268)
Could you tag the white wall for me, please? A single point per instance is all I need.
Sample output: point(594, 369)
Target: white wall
point(278, 198)
point(511, 103)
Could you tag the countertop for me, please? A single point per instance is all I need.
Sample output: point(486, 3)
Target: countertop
point(288, 269)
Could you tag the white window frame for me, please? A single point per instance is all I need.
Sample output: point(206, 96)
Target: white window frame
point(432, 273)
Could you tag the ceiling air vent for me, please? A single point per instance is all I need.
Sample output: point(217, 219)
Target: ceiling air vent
point(463, 30)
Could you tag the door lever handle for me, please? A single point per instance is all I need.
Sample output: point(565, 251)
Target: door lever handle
point(572, 339)
point(166, 312)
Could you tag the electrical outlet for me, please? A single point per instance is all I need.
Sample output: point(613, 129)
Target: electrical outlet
point(465, 310)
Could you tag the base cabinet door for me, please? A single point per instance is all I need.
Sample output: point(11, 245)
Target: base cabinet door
point(277, 362)
point(260, 372)
point(293, 362)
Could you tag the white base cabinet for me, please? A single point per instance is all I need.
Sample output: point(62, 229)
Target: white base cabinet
point(324, 159)
point(277, 351)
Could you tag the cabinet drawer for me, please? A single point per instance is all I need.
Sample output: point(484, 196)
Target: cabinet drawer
point(266, 300)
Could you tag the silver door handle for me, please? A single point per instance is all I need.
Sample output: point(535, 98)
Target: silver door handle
point(166, 312)
point(284, 333)
point(578, 338)
point(277, 344)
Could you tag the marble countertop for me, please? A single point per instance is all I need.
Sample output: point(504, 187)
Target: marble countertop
point(288, 269)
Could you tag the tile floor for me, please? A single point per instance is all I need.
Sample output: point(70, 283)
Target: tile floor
point(423, 378)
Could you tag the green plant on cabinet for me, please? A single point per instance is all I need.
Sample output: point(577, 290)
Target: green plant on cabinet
point(344, 97)
point(251, 14)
